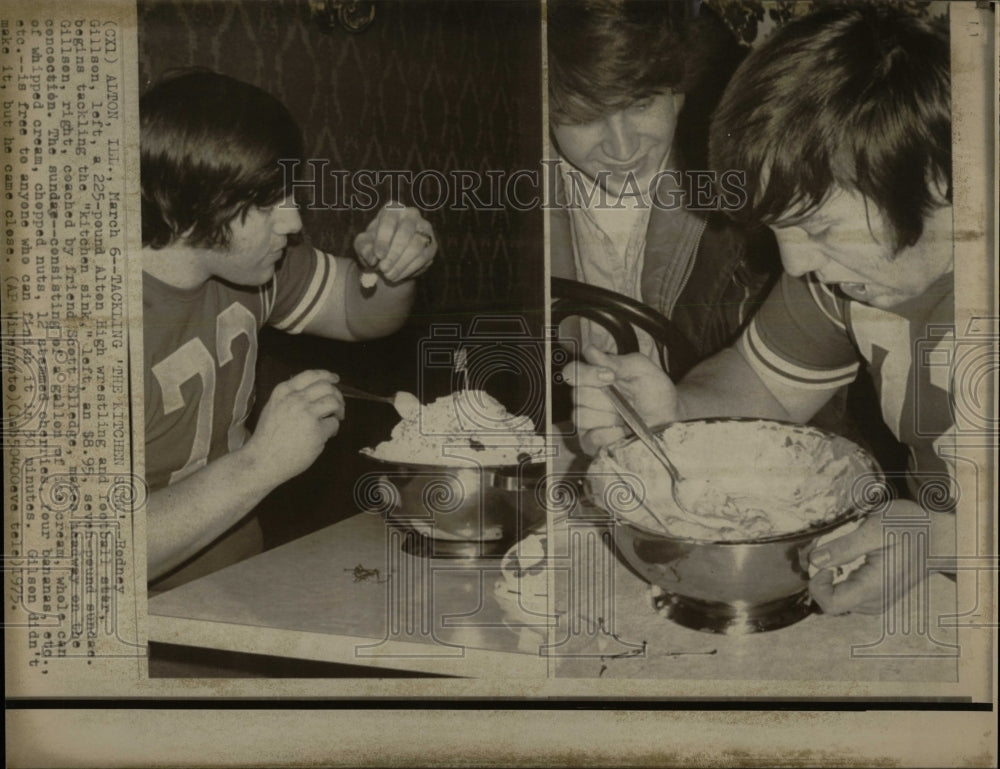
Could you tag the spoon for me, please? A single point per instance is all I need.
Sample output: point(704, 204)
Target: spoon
point(406, 404)
point(644, 434)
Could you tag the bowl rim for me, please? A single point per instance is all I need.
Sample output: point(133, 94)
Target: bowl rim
point(534, 462)
point(816, 529)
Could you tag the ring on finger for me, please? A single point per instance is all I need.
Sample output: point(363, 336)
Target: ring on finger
point(428, 238)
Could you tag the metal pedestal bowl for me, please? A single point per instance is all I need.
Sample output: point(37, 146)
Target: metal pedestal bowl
point(456, 511)
point(725, 587)
point(736, 586)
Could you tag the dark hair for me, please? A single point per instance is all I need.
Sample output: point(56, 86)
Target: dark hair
point(210, 147)
point(857, 96)
point(606, 54)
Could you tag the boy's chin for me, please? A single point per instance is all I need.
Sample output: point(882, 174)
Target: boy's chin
point(883, 300)
point(255, 280)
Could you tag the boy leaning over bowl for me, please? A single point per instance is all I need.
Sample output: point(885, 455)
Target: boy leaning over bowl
point(842, 124)
point(220, 259)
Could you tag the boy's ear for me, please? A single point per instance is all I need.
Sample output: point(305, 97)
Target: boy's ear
point(182, 239)
point(678, 102)
point(941, 187)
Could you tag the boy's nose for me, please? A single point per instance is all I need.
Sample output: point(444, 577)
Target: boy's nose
point(621, 140)
point(798, 255)
point(287, 219)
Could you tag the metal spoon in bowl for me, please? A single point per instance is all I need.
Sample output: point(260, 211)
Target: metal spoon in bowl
point(406, 404)
point(644, 434)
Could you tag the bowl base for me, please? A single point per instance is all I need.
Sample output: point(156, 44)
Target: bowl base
point(730, 619)
point(423, 546)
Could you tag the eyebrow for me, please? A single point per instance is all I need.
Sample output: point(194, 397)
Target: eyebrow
point(797, 221)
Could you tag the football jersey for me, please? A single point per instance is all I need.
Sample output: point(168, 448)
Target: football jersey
point(200, 356)
point(812, 337)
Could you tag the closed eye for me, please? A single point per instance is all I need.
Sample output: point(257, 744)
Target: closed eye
point(817, 234)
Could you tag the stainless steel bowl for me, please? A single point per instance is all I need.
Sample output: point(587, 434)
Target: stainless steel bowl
point(456, 511)
point(732, 587)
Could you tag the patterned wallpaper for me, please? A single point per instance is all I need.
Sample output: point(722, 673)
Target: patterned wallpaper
point(430, 85)
point(753, 20)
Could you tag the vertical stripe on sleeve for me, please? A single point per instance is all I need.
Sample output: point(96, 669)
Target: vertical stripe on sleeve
point(314, 298)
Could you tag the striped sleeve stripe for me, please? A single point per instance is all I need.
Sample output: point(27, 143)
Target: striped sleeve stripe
point(743, 304)
point(826, 301)
point(769, 364)
point(267, 298)
point(314, 298)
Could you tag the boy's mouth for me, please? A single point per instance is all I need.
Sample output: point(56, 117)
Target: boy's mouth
point(857, 291)
point(626, 166)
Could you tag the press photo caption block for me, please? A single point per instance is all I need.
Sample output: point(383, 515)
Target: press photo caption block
point(73, 495)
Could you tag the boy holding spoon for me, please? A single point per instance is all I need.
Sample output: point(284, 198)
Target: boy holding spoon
point(842, 124)
point(221, 258)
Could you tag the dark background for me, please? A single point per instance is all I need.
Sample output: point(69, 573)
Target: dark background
point(429, 85)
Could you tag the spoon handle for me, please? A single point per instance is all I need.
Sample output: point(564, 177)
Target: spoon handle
point(644, 434)
point(641, 430)
point(354, 392)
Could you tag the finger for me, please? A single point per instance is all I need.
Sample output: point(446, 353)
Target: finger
point(329, 426)
point(803, 558)
point(861, 592)
point(427, 238)
point(320, 385)
point(595, 403)
point(341, 406)
point(389, 220)
point(583, 375)
point(593, 440)
point(821, 590)
point(598, 358)
point(327, 406)
point(403, 237)
point(305, 379)
point(585, 425)
point(417, 255)
point(867, 538)
point(635, 366)
point(318, 390)
point(364, 247)
point(406, 245)
point(409, 262)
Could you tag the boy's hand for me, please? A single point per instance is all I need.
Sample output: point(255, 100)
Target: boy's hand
point(399, 243)
point(864, 590)
point(639, 379)
point(301, 415)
